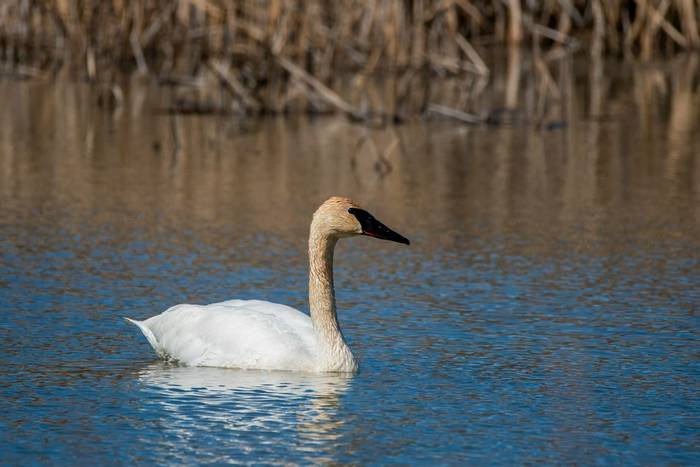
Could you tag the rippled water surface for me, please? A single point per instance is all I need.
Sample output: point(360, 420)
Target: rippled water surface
point(546, 311)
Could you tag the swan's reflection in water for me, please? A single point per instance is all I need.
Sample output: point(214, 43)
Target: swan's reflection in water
point(233, 413)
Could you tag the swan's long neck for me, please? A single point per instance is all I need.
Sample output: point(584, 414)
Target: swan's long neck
point(336, 354)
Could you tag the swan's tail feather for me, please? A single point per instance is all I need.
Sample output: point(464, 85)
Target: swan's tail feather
point(146, 332)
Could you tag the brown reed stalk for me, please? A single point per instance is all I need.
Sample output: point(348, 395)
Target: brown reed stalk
point(269, 55)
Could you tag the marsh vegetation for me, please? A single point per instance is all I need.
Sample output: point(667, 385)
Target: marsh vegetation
point(276, 56)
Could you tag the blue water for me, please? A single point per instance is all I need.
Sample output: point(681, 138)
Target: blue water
point(546, 311)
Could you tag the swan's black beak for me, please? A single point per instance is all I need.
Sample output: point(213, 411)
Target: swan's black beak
point(373, 228)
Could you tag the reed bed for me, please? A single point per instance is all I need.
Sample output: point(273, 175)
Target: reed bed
point(271, 56)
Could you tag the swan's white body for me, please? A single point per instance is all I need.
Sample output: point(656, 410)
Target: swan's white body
point(252, 334)
point(255, 334)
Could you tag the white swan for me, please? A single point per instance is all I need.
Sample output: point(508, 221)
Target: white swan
point(254, 334)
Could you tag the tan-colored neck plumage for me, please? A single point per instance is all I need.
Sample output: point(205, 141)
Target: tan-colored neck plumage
point(336, 354)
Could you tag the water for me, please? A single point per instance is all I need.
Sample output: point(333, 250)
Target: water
point(546, 311)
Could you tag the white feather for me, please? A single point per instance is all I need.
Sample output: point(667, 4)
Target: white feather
point(234, 334)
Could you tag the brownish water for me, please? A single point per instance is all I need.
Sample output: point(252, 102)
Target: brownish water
point(546, 310)
point(633, 136)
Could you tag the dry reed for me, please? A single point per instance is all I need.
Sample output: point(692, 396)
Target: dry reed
point(281, 55)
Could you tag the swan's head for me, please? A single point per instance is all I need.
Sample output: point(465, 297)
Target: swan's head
point(342, 217)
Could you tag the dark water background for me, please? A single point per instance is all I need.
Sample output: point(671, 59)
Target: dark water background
point(546, 311)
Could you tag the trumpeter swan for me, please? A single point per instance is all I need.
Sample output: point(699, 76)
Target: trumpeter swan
point(254, 334)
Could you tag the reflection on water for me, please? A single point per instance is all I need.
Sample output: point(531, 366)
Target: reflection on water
point(245, 406)
point(546, 310)
point(162, 172)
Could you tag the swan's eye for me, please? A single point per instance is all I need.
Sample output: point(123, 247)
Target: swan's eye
point(362, 216)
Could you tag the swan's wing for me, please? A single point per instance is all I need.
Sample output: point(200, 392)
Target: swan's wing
point(237, 334)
